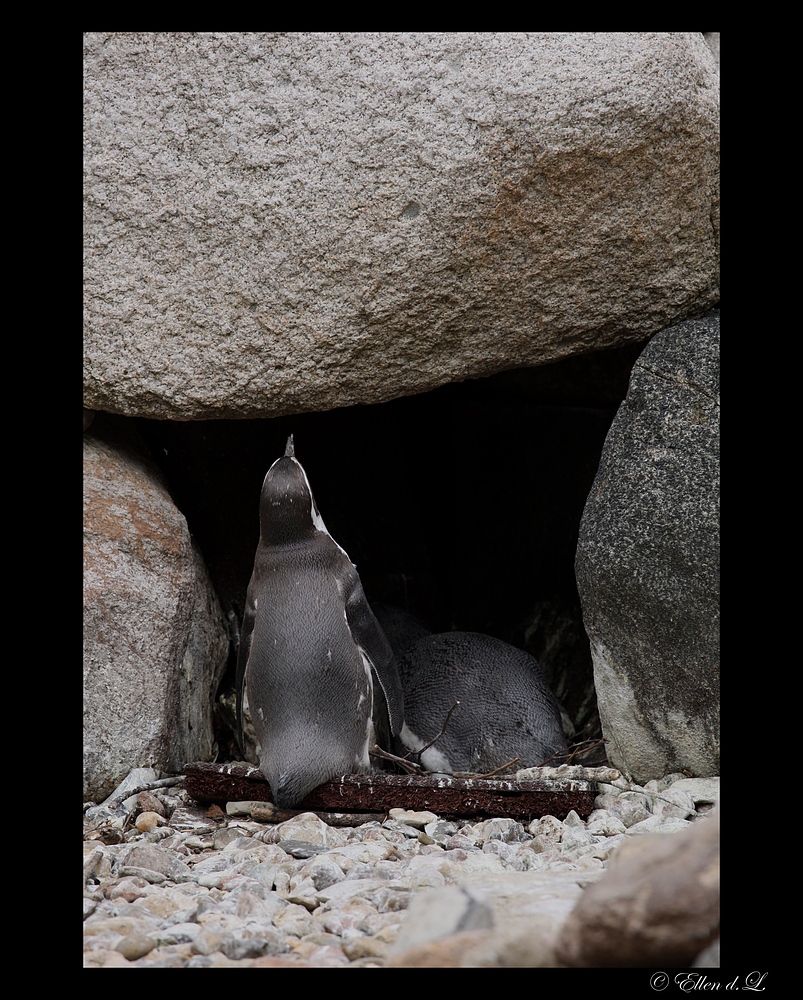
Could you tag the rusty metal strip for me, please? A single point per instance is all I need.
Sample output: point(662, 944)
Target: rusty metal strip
point(463, 797)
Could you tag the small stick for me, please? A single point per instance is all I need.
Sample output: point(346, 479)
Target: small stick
point(489, 774)
point(408, 765)
point(114, 800)
point(443, 730)
point(573, 750)
point(411, 766)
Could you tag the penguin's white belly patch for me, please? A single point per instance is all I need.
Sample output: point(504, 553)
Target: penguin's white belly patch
point(432, 759)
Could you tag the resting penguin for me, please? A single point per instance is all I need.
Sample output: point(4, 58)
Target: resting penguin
point(506, 709)
point(401, 627)
point(318, 671)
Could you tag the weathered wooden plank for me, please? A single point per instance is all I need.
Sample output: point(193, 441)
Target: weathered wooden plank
point(446, 796)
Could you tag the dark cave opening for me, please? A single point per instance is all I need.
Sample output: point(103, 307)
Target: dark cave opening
point(461, 505)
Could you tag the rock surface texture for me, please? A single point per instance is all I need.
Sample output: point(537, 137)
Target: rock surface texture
point(648, 561)
point(638, 915)
point(155, 640)
point(287, 222)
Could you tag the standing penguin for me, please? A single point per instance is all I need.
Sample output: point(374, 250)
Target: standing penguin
point(311, 649)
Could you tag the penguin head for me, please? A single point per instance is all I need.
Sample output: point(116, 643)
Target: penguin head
point(287, 509)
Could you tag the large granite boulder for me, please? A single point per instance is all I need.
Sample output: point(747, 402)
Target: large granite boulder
point(286, 222)
point(647, 561)
point(657, 906)
point(155, 639)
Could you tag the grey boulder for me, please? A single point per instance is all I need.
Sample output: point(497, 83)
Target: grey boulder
point(647, 561)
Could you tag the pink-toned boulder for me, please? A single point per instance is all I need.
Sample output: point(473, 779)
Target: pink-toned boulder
point(657, 905)
point(155, 639)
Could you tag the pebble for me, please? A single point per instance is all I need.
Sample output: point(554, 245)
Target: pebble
point(148, 821)
point(172, 884)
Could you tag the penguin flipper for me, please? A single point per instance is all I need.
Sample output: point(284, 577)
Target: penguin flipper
point(368, 635)
point(242, 662)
